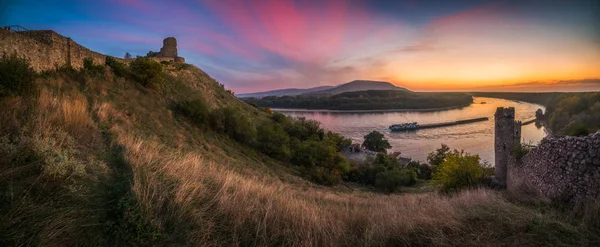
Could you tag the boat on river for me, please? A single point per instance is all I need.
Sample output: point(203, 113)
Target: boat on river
point(404, 126)
point(416, 126)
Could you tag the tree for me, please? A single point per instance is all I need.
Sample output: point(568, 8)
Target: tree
point(127, 55)
point(436, 158)
point(374, 141)
point(460, 170)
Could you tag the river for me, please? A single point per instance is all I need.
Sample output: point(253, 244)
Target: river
point(474, 138)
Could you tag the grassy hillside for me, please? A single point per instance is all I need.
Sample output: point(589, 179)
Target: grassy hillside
point(93, 158)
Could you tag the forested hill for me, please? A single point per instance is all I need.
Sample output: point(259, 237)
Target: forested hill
point(367, 100)
point(358, 85)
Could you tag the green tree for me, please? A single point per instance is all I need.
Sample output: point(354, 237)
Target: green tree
point(375, 141)
point(436, 158)
point(337, 140)
point(147, 72)
point(460, 170)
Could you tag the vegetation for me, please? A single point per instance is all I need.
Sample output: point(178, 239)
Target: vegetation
point(100, 162)
point(436, 158)
point(367, 100)
point(375, 141)
point(120, 69)
point(574, 114)
point(147, 72)
point(92, 69)
point(16, 75)
point(459, 171)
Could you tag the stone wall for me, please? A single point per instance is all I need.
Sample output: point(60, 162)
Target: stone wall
point(560, 168)
point(47, 50)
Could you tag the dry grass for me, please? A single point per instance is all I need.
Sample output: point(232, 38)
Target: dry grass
point(222, 207)
point(71, 160)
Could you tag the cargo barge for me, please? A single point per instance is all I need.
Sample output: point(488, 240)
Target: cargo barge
point(417, 126)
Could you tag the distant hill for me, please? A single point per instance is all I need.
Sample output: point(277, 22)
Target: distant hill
point(358, 85)
point(282, 92)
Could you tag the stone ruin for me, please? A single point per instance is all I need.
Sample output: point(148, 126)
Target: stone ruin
point(507, 133)
point(565, 168)
point(168, 52)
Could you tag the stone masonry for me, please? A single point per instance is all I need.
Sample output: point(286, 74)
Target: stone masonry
point(560, 168)
point(168, 52)
point(507, 134)
point(48, 50)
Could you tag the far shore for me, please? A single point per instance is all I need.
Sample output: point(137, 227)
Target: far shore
point(369, 111)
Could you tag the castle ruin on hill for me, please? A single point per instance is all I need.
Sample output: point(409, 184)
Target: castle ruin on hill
point(559, 168)
point(168, 52)
point(48, 50)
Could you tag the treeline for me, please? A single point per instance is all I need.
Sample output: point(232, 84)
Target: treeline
point(367, 100)
point(316, 153)
point(566, 113)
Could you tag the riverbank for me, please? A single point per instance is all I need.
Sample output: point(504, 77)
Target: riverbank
point(369, 111)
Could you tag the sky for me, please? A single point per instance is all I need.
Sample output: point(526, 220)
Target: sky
point(249, 46)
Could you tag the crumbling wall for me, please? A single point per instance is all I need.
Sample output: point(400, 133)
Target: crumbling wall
point(47, 50)
point(504, 140)
point(560, 168)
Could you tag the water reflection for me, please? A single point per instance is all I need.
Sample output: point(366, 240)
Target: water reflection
point(477, 138)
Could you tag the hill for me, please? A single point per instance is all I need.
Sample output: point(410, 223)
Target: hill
point(358, 85)
point(160, 154)
point(282, 92)
point(367, 100)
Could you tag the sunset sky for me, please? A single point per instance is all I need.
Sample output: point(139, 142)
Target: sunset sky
point(518, 45)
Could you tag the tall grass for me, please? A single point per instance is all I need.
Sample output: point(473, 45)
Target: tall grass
point(78, 169)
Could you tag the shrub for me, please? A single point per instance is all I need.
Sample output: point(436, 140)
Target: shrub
point(90, 68)
point(460, 170)
point(423, 170)
point(520, 150)
point(577, 129)
point(273, 141)
point(234, 123)
point(118, 68)
point(16, 75)
point(195, 110)
point(391, 180)
point(147, 72)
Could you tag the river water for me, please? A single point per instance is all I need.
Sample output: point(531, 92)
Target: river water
point(474, 138)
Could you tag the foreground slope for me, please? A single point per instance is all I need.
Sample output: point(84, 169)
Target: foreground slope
point(101, 160)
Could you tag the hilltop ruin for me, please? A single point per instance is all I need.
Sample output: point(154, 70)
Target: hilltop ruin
point(560, 168)
point(48, 50)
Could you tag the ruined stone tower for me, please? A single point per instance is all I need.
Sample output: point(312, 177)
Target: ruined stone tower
point(507, 133)
point(169, 48)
